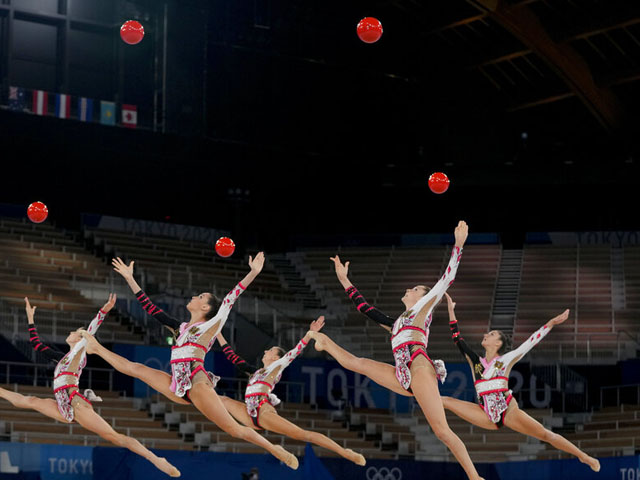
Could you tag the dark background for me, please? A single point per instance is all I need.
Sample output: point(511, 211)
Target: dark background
point(270, 118)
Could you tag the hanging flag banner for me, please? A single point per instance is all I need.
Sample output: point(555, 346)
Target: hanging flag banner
point(63, 105)
point(17, 101)
point(85, 109)
point(107, 113)
point(40, 102)
point(129, 115)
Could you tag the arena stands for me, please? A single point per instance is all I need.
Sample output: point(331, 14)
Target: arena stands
point(68, 279)
point(383, 275)
point(185, 268)
point(65, 281)
point(578, 278)
point(124, 414)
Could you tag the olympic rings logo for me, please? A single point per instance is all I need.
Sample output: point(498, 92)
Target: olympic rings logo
point(384, 473)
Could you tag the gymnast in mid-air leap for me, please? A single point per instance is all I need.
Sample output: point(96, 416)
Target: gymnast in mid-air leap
point(491, 379)
point(189, 382)
point(414, 373)
point(70, 405)
point(258, 410)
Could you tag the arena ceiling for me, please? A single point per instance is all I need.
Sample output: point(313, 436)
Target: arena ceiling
point(537, 52)
point(562, 72)
point(530, 106)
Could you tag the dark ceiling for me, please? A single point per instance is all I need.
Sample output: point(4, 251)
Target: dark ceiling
point(466, 71)
point(530, 106)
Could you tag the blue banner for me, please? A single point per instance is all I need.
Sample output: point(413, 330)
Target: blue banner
point(326, 384)
point(65, 462)
point(121, 464)
point(614, 468)
point(52, 462)
point(322, 382)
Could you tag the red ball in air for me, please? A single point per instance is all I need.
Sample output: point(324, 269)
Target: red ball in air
point(369, 30)
point(132, 32)
point(37, 212)
point(225, 247)
point(438, 182)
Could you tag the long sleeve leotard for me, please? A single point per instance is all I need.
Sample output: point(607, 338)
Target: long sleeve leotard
point(51, 353)
point(491, 379)
point(240, 363)
point(367, 309)
point(69, 367)
point(410, 331)
point(262, 381)
point(193, 343)
point(156, 312)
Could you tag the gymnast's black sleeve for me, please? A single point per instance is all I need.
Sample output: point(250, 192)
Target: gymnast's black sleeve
point(369, 310)
point(157, 313)
point(50, 353)
point(239, 362)
point(461, 344)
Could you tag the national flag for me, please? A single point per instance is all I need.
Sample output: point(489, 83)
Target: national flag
point(107, 113)
point(85, 109)
point(40, 102)
point(63, 105)
point(17, 99)
point(129, 115)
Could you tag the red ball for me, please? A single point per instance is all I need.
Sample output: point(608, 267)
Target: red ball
point(225, 247)
point(438, 182)
point(369, 30)
point(37, 212)
point(132, 32)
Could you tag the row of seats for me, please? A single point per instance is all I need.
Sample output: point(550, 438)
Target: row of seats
point(183, 268)
point(552, 279)
point(190, 266)
point(612, 431)
point(123, 414)
point(166, 425)
point(52, 268)
point(208, 435)
point(581, 279)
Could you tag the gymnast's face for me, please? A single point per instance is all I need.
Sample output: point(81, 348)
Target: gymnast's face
point(492, 340)
point(73, 338)
point(271, 355)
point(412, 295)
point(199, 303)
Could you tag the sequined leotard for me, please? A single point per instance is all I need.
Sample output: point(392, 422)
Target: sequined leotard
point(410, 331)
point(68, 369)
point(491, 379)
point(262, 380)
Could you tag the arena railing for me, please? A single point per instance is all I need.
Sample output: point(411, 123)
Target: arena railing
point(587, 343)
point(13, 322)
point(629, 393)
point(40, 374)
point(88, 440)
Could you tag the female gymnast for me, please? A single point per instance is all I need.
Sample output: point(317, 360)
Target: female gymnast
point(258, 410)
point(189, 382)
point(69, 404)
point(414, 374)
point(491, 378)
